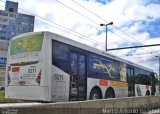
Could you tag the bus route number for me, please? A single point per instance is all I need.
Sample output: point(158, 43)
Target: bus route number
point(58, 77)
point(32, 69)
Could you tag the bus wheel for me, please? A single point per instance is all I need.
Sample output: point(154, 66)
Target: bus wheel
point(147, 93)
point(95, 94)
point(110, 93)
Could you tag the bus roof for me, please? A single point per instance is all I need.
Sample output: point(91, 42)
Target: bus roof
point(69, 41)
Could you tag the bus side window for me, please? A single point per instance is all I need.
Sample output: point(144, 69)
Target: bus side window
point(60, 55)
point(62, 65)
point(148, 78)
point(59, 51)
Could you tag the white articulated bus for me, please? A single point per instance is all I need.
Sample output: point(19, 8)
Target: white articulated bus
point(44, 66)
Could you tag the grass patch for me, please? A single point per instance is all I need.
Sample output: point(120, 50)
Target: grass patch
point(5, 100)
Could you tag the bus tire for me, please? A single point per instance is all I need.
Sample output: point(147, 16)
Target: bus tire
point(95, 94)
point(147, 93)
point(110, 93)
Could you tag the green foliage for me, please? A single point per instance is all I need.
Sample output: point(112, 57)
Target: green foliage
point(5, 100)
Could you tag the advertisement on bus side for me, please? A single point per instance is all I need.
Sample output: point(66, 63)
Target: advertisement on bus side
point(123, 72)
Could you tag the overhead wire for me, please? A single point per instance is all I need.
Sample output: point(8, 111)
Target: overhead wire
point(70, 33)
point(93, 20)
point(77, 12)
point(107, 22)
point(81, 35)
point(151, 60)
point(102, 19)
point(86, 17)
point(137, 54)
point(67, 28)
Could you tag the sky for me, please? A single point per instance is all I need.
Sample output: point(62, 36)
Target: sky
point(135, 22)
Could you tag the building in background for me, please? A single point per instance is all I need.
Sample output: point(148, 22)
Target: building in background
point(3, 59)
point(13, 23)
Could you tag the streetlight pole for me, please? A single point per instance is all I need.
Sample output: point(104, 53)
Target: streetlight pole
point(111, 23)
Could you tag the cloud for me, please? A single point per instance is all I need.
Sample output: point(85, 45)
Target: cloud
point(138, 19)
point(104, 1)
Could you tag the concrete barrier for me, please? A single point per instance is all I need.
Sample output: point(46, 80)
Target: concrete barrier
point(103, 106)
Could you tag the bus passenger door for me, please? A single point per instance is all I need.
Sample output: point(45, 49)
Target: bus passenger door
point(78, 76)
point(131, 82)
